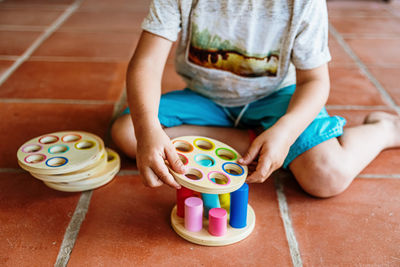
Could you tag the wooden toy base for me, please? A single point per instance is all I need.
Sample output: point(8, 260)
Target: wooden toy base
point(204, 238)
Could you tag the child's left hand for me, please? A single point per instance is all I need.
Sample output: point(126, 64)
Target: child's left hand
point(271, 147)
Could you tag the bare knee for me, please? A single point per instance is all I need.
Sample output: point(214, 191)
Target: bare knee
point(321, 177)
point(123, 135)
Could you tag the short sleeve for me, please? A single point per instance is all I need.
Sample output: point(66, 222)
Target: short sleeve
point(163, 19)
point(310, 49)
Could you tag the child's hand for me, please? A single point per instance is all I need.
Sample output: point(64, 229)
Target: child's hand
point(154, 148)
point(271, 147)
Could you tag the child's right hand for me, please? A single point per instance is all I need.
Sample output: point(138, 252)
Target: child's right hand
point(154, 147)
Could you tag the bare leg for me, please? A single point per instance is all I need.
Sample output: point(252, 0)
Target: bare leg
point(329, 168)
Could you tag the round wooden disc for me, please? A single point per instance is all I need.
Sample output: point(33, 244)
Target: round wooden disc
point(203, 237)
point(85, 173)
point(211, 165)
point(60, 152)
point(97, 180)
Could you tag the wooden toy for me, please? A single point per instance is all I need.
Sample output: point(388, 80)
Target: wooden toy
point(76, 175)
point(212, 165)
point(98, 179)
point(69, 161)
point(213, 171)
point(60, 152)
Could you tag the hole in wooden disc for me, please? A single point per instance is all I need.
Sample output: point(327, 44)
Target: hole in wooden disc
point(35, 158)
point(226, 154)
point(233, 168)
point(58, 149)
point(204, 160)
point(183, 159)
point(218, 178)
point(110, 157)
point(204, 144)
point(31, 148)
point(85, 145)
point(194, 174)
point(183, 146)
point(49, 139)
point(71, 138)
point(56, 162)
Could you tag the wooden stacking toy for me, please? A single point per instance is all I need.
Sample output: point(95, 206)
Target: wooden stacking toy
point(212, 205)
point(69, 161)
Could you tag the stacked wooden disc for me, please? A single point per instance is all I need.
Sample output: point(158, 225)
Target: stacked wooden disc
point(69, 161)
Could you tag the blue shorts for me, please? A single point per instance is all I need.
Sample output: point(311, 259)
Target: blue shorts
point(187, 107)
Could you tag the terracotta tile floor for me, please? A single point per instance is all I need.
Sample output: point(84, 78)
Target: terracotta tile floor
point(62, 67)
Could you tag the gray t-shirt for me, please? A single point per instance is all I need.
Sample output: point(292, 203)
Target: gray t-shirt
point(238, 51)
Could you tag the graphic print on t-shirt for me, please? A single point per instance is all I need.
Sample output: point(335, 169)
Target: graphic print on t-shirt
point(211, 51)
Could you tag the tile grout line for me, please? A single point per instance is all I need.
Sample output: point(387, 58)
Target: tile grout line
point(364, 68)
point(73, 228)
point(287, 223)
point(128, 172)
point(356, 107)
point(55, 101)
point(50, 30)
point(378, 176)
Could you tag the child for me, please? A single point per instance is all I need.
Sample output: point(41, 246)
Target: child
point(248, 64)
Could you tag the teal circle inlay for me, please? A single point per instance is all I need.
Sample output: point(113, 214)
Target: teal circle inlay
point(58, 149)
point(204, 160)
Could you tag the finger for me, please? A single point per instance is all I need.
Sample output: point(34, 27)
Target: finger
point(162, 172)
point(262, 172)
point(149, 178)
point(251, 154)
point(174, 160)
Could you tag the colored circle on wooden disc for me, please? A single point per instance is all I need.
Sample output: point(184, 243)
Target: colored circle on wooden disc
point(205, 158)
point(98, 179)
point(60, 152)
point(85, 173)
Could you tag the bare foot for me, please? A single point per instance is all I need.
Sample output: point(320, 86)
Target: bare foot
point(389, 122)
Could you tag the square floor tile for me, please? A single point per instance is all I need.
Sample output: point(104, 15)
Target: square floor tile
point(66, 80)
point(371, 26)
point(48, 3)
point(25, 121)
point(142, 5)
point(358, 9)
point(15, 43)
point(33, 220)
point(104, 20)
point(338, 54)
point(25, 17)
point(360, 227)
point(381, 52)
point(349, 86)
point(101, 45)
point(4, 65)
point(389, 79)
point(129, 224)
